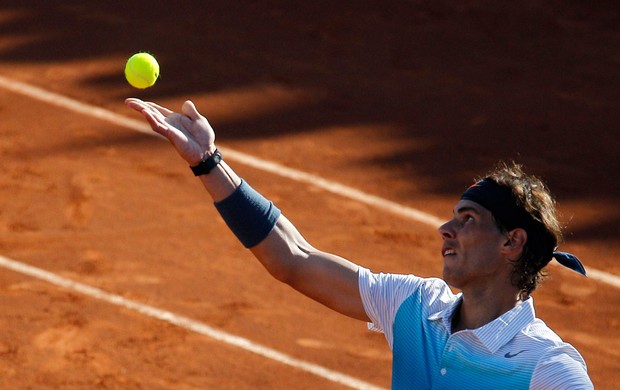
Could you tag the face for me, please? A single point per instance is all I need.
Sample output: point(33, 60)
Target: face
point(472, 244)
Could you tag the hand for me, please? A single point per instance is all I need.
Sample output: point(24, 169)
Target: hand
point(189, 132)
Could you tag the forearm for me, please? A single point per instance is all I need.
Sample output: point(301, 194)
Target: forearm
point(283, 251)
point(221, 182)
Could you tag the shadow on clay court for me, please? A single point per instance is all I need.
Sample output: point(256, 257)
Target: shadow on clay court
point(467, 84)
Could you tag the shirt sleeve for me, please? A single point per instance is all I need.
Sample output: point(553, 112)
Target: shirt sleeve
point(382, 294)
point(561, 368)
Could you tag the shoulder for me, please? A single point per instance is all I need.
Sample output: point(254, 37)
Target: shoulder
point(398, 287)
point(560, 365)
point(383, 293)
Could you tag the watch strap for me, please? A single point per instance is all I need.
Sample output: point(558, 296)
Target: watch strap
point(207, 164)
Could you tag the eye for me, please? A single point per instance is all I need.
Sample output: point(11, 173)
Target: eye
point(467, 218)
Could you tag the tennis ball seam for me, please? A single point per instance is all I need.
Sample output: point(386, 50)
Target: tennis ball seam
point(140, 76)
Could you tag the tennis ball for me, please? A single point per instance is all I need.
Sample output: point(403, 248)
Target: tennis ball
point(141, 70)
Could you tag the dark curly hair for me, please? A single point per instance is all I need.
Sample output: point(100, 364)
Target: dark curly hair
point(544, 233)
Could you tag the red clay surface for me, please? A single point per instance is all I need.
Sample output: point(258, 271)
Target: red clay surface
point(407, 100)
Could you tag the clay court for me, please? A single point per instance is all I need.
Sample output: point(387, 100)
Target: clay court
point(363, 121)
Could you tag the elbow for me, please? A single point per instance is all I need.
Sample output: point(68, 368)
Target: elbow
point(284, 264)
point(281, 273)
point(284, 253)
point(285, 277)
point(288, 271)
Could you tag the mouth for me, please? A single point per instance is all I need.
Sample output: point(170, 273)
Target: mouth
point(445, 252)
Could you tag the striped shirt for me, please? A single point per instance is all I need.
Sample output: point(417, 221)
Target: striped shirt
point(515, 351)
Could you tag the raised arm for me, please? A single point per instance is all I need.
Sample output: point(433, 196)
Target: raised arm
point(324, 277)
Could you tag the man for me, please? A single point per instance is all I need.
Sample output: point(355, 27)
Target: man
point(504, 231)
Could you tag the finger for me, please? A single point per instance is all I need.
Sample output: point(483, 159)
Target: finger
point(190, 110)
point(153, 116)
point(146, 109)
point(157, 121)
point(165, 111)
point(135, 104)
point(154, 111)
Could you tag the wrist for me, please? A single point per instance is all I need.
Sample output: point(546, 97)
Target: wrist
point(211, 158)
point(209, 150)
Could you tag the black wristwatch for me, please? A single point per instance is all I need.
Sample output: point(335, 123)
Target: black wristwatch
point(207, 164)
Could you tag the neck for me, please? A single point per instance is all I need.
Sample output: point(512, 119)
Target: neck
point(478, 309)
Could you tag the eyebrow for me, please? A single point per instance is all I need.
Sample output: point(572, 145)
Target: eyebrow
point(466, 209)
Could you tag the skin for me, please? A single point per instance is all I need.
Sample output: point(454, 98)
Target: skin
point(480, 265)
point(477, 260)
point(324, 277)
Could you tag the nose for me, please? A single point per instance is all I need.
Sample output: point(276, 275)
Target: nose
point(446, 230)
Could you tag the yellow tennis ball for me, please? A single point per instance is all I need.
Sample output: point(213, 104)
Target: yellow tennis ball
point(141, 70)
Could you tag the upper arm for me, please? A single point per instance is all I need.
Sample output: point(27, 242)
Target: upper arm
point(324, 277)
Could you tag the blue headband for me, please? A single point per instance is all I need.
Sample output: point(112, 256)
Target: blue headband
point(501, 202)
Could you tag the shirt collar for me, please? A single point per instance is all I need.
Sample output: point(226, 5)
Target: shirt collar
point(445, 315)
point(498, 332)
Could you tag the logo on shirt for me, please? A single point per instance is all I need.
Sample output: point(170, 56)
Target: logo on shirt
point(509, 355)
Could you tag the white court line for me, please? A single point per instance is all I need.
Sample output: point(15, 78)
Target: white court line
point(604, 277)
point(275, 168)
point(186, 323)
point(267, 166)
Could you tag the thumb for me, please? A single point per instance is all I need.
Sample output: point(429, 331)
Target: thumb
point(190, 110)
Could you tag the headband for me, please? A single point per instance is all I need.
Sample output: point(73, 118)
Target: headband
point(502, 203)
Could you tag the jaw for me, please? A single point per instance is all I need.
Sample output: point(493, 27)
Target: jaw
point(452, 271)
point(477, 279)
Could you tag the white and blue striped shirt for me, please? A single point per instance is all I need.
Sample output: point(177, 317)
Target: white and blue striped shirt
point(515, 351)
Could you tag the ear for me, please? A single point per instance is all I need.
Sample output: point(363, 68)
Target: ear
point(515, 242)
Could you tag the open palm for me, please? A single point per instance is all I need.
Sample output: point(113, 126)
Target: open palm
point(189, 132)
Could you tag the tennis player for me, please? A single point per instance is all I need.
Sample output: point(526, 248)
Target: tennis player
point(504, 231)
